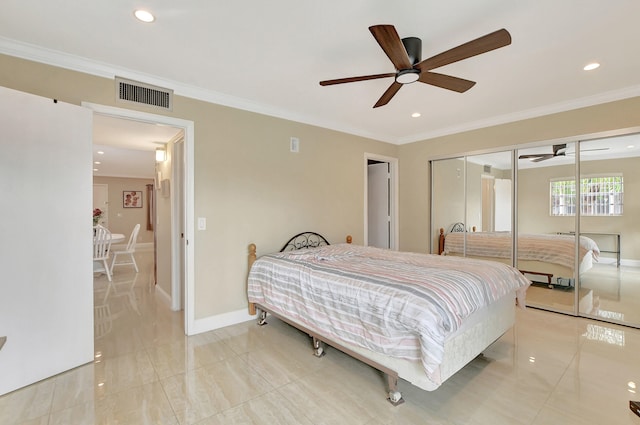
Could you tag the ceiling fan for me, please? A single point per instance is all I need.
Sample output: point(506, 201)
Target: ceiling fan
point(406, 56)
point(558, 150)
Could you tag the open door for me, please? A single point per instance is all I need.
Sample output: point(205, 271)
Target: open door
point(379, 204)
point(46, 290)
point(381, 201)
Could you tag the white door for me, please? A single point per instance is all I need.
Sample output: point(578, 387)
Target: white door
point(46, 290)
point(379, 205)
point(502, 189)
point(488, 204)
point(101, 200)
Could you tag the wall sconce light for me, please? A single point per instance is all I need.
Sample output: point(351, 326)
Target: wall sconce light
point(161, 155)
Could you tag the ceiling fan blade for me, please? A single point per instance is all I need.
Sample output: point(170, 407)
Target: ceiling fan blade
point(354, 79)
point(388, 95)
point(543, 157)
point(588, 150)
point(484, 44)
point(535, 155)
point(448, 82)
point(388, 38)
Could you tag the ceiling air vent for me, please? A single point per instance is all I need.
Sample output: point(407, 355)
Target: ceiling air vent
point(129, 91)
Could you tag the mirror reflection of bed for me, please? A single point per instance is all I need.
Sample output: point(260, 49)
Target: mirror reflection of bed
point(545, 259)
point(607, 289)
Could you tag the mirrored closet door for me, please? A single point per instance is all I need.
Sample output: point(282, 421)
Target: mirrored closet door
point(609, 221)
point(447, 198)
point(546, 225)
point(472, 206)
point(575, 209)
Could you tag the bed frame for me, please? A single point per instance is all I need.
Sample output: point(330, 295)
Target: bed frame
point(483, 328)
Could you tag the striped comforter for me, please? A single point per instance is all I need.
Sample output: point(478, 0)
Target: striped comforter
point(556, 249)
point(400, 304)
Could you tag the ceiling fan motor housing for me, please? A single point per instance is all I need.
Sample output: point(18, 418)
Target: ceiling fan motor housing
point(413, 46)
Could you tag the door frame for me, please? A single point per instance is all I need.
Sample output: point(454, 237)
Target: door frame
point(393, 196)
point(189, 204)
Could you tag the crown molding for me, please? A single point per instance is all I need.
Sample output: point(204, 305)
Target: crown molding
point(100, 69)
point(80, 64)
point(584, 102)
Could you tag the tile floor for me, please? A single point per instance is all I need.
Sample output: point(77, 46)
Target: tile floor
point(549, 369)
point(614, 294)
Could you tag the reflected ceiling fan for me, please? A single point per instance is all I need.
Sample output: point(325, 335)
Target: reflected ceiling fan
point(406, 56)
point(558, 150)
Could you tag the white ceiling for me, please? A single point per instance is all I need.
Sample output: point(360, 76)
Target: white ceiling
point(269, 57)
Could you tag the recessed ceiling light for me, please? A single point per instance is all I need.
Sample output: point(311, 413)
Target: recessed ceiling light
point(100, 152)
point(144, 16)
point(591, 66)
point(97, 162)
point(631, 146)
point(95, 169)
point(416, 114)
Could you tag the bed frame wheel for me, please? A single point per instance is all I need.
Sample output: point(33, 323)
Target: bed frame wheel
point(262, 318)
point(395, 398)
point(318, 349)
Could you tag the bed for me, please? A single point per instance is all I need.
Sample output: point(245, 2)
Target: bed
point(418, 317)
point(547, 257)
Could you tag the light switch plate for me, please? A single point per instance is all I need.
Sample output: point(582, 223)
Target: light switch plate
point(295, 144)
point(202, 223)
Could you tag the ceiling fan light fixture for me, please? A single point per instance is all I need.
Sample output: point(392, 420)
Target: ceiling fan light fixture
point(407, 76)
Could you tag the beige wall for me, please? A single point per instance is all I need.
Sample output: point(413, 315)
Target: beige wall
point(122, 220)
point(414, 157)
point(247, 183)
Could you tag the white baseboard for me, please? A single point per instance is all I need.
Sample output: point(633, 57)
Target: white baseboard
point(145, 246)
point(220, 321)
point(630, 263)
point(164, 297)
point(623, 262)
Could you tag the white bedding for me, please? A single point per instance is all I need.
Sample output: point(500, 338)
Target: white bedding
point(399, 304)
point(556, 249)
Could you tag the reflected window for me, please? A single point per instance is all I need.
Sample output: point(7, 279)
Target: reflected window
point(599, 195)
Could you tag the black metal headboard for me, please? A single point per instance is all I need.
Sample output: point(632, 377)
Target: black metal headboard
point(304, 240)
point(457, 227)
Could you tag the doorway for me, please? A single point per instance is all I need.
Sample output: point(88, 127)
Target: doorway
point(182, 258)
point(381, 203)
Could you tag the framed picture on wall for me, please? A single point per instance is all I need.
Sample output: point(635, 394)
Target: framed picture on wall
point(131, 199)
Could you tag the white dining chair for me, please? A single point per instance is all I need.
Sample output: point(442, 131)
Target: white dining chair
point(130, 250)
point(101, 248)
